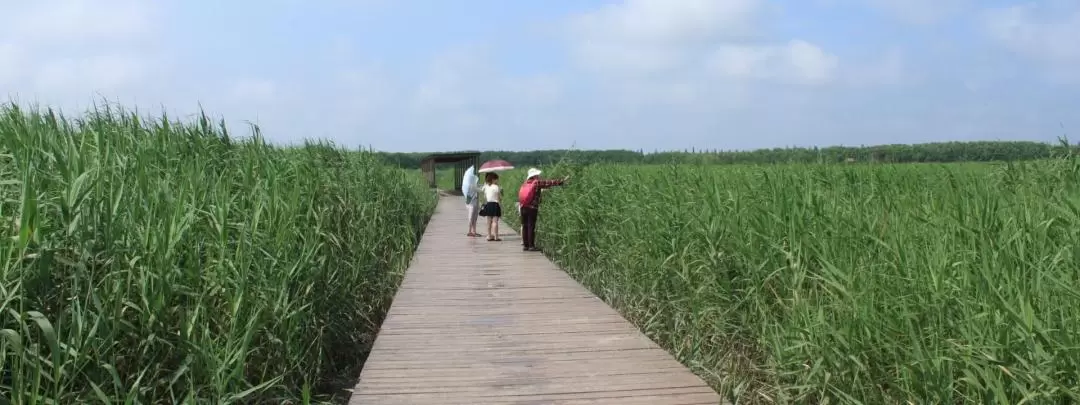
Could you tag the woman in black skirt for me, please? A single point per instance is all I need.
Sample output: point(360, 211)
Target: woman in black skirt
point(491, 209)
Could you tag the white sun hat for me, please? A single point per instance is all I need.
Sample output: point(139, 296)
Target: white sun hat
point(533, 172)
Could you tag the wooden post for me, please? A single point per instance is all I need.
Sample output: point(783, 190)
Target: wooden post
point(458, 173)
point(428, 168)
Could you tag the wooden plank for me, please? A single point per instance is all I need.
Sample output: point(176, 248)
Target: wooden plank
point(478, 322)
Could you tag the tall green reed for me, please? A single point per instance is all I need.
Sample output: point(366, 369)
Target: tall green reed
point(839, 283)
point(155, 261)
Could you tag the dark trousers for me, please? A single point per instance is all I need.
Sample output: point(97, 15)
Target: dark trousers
point(528, 226)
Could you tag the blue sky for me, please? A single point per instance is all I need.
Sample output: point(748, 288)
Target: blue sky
point(425, 75)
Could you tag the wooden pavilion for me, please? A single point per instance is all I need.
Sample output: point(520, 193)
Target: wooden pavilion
point(461, 161)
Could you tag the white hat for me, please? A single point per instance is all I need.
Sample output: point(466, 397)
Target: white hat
point(533, 172)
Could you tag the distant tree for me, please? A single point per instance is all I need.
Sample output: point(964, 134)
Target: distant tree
point(940, 152)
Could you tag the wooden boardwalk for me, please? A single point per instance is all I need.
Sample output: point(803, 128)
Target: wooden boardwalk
point(478, 322)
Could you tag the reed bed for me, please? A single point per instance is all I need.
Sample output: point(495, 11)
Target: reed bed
point(156, 261)
point(858, 284)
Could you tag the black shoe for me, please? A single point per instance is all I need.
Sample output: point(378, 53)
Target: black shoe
point(533, 249)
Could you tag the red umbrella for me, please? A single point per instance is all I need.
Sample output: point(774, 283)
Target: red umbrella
point(496, 165)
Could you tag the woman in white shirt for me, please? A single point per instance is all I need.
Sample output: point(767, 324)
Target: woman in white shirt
point(491, 209)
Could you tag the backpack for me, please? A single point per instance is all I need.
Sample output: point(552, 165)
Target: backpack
point(527, 192)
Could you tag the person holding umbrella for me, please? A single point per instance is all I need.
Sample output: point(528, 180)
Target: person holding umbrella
point(492, 209)
point(529, 199)
point(470, 189)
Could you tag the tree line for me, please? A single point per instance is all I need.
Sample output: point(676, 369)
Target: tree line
point(938, 152)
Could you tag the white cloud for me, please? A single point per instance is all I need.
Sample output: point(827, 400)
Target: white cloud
point(364, 94)
point(66, 53)
point(99, 72)
point(446, 86)
point(466, 79)
point(921, 11)
point(690, 52)
point(797, 61)
point(11, 62)
point(668, 22)
point(889, 69)
point(643, 37)
point(1037, 32)
point(628, 58)
point(253, 90)
point(85, 21)
point(464, 93)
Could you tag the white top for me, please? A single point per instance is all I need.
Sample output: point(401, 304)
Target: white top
point(492, 192)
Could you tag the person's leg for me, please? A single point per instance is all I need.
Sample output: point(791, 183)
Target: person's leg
point(472, 219)
point(532, 224)
point(528, 225)
point(521, 225)
point(470, 212)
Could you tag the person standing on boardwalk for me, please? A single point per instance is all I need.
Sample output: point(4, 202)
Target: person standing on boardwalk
point(491, 209)
point(472, 207)
point(529, 198)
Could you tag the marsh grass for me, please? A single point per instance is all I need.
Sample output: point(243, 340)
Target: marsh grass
point(153, 261)
point(871, 284)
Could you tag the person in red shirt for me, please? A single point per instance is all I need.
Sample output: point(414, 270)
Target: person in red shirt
point(530, 210)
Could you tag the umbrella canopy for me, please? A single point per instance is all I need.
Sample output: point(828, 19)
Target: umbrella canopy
point(468, 181)
point(496, 165)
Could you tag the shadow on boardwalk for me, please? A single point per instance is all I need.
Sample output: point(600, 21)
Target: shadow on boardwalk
point(478, 322)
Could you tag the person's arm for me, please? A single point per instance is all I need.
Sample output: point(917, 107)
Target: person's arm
point(549, 183)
